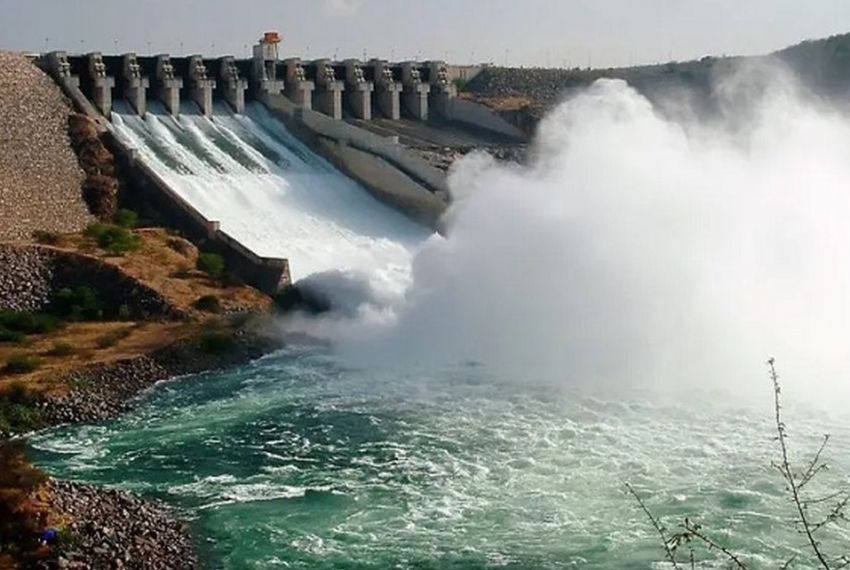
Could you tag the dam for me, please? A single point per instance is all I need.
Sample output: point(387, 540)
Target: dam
point(286, 167)
point(349, 88)
point(308, 344)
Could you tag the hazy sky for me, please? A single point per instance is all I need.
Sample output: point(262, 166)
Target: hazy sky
point(519, 32)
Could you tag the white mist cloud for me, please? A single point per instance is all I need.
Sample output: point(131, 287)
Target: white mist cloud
point(636, 250)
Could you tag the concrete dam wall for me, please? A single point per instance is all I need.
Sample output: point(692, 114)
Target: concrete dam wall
point(218, 144)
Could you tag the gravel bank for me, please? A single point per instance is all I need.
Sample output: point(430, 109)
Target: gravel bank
point(104, 391)
point(30, 276)
point(113, 529)
point(40, 179)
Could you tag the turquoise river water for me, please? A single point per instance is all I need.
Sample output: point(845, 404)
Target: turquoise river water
point(297, 461)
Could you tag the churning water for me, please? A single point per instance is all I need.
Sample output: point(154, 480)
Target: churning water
point(594, 318)
point(298, 461)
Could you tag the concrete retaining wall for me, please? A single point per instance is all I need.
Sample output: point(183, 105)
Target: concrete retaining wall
point(391, 172)
point(151, 192)
point(481, 117)
point(387, 183)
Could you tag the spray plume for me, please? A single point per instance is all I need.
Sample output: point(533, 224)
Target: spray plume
point(635, 249)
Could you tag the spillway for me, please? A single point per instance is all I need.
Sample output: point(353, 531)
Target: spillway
point(270, 192)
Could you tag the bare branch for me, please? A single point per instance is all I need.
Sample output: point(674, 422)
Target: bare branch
point(787, 564)
point(825, 498)
point(837, 513)
point(786, 467)
point(655, 523)
point(815, 466)
point(695, 531)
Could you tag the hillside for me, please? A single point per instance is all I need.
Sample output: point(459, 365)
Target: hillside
point(525, 94)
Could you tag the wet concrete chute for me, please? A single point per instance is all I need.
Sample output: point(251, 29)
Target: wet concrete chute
point(301, 165)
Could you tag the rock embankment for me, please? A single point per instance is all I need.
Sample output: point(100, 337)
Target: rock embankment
point(40, 178)
point(103, 391)
point(30, 276)
point(111, 529)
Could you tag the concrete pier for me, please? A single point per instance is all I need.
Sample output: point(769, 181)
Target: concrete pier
point(415, 94)
point(60, 68)
point(328, 96)
point(134, 84)
point(200, 86)
point(443, 91)
point(358, 91)
point(168, 85)
point(298, 89)
point(264, 79)
point(387, 89)
point(100, 88)
point(234, 86)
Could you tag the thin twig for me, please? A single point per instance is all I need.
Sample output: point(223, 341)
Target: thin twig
point(825, 498)
point(835, 514)
point(788, 562)
point(815, 466)
point(670, 555)
point(694, 530)
point(786, 467)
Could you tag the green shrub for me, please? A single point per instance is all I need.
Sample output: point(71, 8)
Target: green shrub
point(460, 83)
point(208, 303)
point(10, 336)
point(25, 322)
point(80, 303)
point(20, 520)
point(19, 393)
point(124, 313)
point(126, 218)
point(95, 230)
point(114, 239)
point(211, 263)
point(62, 349)
point(21, 363)
point(46, 238)
point(112, 337)
point(217, 343)
point(19, 409)
point(20, 417)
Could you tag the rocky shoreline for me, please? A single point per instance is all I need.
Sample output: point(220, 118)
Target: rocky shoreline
point(104, 391)
point(112, 529)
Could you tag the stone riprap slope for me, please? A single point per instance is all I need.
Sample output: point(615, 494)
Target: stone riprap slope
point(113, 529)
point(40, 179)
point(31, 275)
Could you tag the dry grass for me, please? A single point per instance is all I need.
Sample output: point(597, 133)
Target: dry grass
point(132, 339)
point(512, 103)
point(164, 263)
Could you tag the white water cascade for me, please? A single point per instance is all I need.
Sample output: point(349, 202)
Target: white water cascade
point(272, 193)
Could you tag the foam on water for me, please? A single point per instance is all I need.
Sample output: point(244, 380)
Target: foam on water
point(299, 461)
point(633, 252)
point(272, 194)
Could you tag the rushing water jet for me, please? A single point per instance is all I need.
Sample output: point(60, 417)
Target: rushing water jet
point(272, 194)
